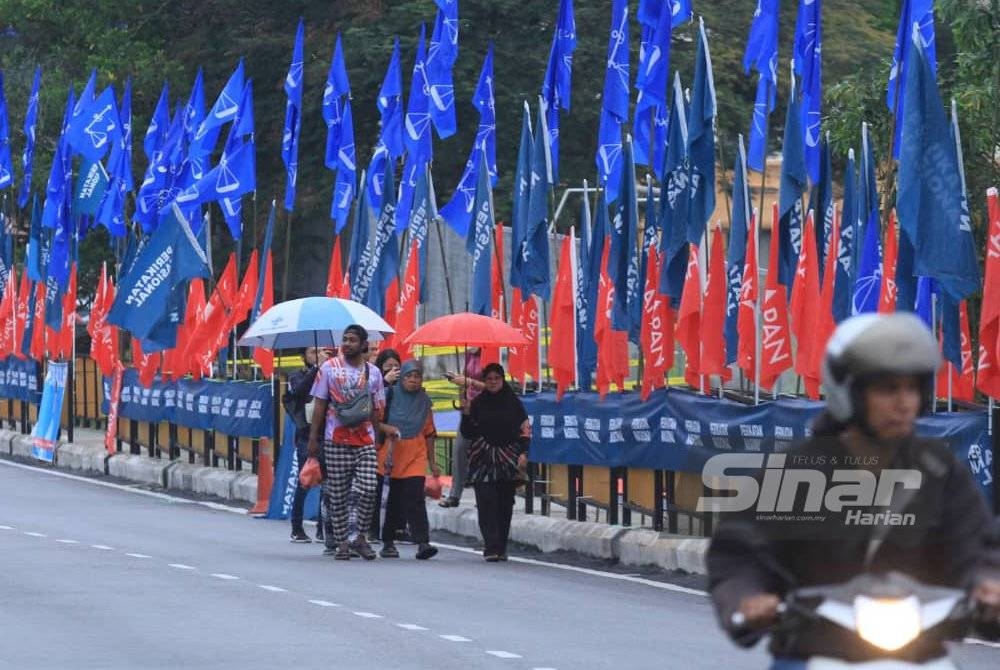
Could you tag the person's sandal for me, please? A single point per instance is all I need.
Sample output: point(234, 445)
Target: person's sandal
point(426, 550)
point(361, 547)
point(448, 502)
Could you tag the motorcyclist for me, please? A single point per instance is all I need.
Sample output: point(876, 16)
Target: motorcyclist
point(878, 377)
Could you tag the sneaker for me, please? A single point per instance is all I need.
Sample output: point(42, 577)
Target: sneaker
point(300, 537)
point(342, 552)
point(426, 550)
point(361, 547)
point(448, 502)
point(389, 551)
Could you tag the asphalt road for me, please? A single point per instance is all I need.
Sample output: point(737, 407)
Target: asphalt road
point(95, 576)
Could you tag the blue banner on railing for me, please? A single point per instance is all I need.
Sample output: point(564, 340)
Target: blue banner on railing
point(286, 477)
point(46, 430)
point(19, 379)
point(244, 409)
point(678, 430)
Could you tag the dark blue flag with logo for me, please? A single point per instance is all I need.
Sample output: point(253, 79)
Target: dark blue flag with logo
point(535, 247)
point(843, 288)
point(170, 257)
point(223, 111)
point(519, 210)
point(951, 332)
point(337, 86)
point(159, 124)
point(651, 82)
point(590, 268)
point(674, 207)
point(6, 165)
point(920, 12)
point(97, 128)
point(265, 249)
point(929, 202)
point(458, 211)
point(390, 105)
point(33, 258)
point(821, 203)
point(736, 254)
point(384, 265)
point(924, 308)
point(701, 142)
point(614, 102)
point(793, 182)
point(623, 256)
point(479, 244)
point(293, 118)
point(587, 276)
point(868, 285)
point(361, 248)
point(559, 77)
point(809, 66)
point(418, 136)
point(347, 171)
point(28, 156)
point(421, 214)
point(194, 110)
point(441, 57)
point(761, 54)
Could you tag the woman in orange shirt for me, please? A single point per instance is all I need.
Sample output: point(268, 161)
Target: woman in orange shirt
point(404, 458)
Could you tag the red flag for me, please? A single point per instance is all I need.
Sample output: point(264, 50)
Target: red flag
point(69, 317)
point(612, 345)
point(562, 341)
point(38, 332)
point(264, 357)
point(962, 382)
point(212, 332)
point(336, 282)
point(805, 312)
point(492, 354)
point(8, 310)
point(22, 314)
point(989, 319)
point(146, 364)
point(689, 320)
point(746, 317)
point(713, 318)
point(524, 361)
point(180, 361)
point(246, 293)
point(887, 295)
point(776, 348)
point(405, 314)
point(826, 325)
point(656, 336)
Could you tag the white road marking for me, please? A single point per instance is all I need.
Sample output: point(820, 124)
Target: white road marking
point(181, 566)
point(222, 575)
point(273, 589)
point(6, 528)
point(410, 626)
point(503, 654)
point(102, 547)
point(139, 555)
point(324, 603)
point(33, 534)
point(543, 669)
point(68, 541)
point(110, 485)
point(368, 615)
point(454, 638)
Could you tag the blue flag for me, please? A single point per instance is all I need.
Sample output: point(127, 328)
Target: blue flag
point(458, 211)
point(159, 184)
point(98, 127)
point(701, 142)
point(793, 182)
point(674, 207)
point(390, 105)
point(869, 282)
point(440, 59)
point(159, 124)
point(194, 110)
point(535, 246)
point(125, 144)
point(33, 259)
point(762, 55)
point(479, 244)
point(951, 332)
point(868, 191)
point(614, 102)
point(337, 86)
point(519, 210)
point(651, 82)
point(809, 65)
point(223, 111)
point(346, 184)
point(361, 253)
point(821, 203)
point(262, 267)
point(843, 289)
point(623, 256)
point(170, 257)
point(929, 202)
point(418, 137)
point(91, 187)
point(736, 254)
point(650, 11)
point(924, 308)
point(384, 264)
point(240, 163)
point(293, 118)
point(586, 347)
point(6, 253)
point(30, 122)
point(421, 214)
point(376, 175)
point(6, 165)
point(112, 210)
point(559, 77)
point(592, 273)
point(920, 12)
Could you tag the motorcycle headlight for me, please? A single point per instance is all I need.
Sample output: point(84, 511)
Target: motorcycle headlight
point(887, 623)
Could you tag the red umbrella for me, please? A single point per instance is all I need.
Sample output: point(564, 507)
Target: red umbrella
point(466, 330)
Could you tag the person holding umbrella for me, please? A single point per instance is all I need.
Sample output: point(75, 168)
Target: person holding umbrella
point(349, 392)
point(497, 427)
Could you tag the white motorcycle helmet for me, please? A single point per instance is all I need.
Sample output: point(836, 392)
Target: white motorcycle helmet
point(868, 346)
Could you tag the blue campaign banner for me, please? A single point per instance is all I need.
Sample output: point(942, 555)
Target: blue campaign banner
point(19, 379)
point(286, 476)
point(679, 430)
point(46, 430)
point(240, 408)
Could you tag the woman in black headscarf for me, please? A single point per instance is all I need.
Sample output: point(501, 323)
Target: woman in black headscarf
point(497, 427)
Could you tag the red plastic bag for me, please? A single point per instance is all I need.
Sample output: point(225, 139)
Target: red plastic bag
point(310, 475)
point(432, 487)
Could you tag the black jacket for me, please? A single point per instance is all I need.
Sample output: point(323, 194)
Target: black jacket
point(296, 397)
point(952, 542)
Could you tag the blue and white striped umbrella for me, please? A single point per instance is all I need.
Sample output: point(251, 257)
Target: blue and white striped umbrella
point(312, 322)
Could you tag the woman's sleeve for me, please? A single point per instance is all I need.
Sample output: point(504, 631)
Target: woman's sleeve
point(469, 427)
point(430, 430)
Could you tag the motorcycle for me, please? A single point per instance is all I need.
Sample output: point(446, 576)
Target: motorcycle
point(887, 611)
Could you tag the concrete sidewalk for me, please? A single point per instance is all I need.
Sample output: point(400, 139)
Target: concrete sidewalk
point(627, 546)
